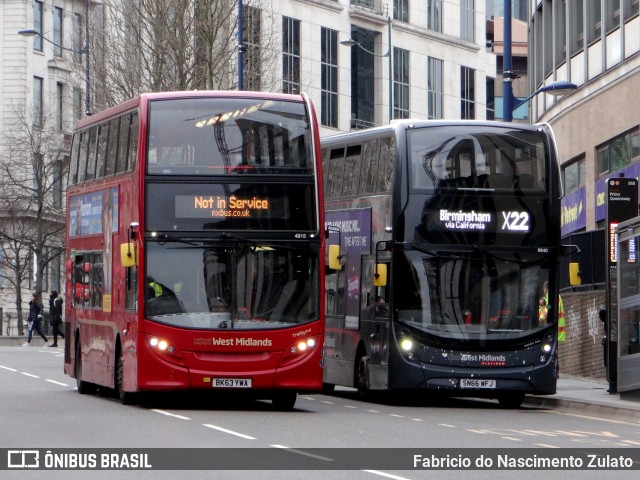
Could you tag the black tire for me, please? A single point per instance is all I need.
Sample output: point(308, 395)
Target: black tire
point(328, 388)
point(83, 386)
point(284, 400)
point(360, 375)
point(126, 398)
point(511, 400)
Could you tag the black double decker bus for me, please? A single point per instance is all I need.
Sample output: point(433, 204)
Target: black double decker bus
point(444, 238)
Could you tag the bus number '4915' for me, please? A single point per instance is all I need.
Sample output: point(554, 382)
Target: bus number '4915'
point(515, 221)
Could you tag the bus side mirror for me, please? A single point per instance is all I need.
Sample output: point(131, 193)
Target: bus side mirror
point(574, 274)
point(128, 254)
point(334, 257)
point(380, 275)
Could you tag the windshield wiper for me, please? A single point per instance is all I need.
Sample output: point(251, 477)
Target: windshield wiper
point(163, 238)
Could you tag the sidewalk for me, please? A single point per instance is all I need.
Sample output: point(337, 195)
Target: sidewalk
point(585, 395)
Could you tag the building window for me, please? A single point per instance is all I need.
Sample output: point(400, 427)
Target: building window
point(561, 31)
point(38, 97)
point(547, 18)
point(467, 23)
point(400, 83)
point(577, 26)
point(491, 98)
point(630, 8)
point(329, 80)
point(38, 10)
point(252, 65)
point(59, 106)
point(76, 37)
point(363, 78)
point(290, 55)
point(57, 31)
point(434, 15)
point(594, 27)
point(78, 104)
point(57, 184)
point(401, 10)
point(613, 14)
point(434, 86)
point(467, 93)
point(574, 175)
point(618, 152)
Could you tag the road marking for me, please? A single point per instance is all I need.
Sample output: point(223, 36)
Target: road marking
point(327, 402)
point(395, 415)
point(29, 375)
point(374, 411)
point(169, 414)
point(417, 420)
point(511, 438)
point(447, 425)
point(383, 474)
point(7, 368)
point(308, 398)
point(545, 445)
point(57, 383)
point(230, 432)
point(588, 417)
point(300, 452)
point(349, 406)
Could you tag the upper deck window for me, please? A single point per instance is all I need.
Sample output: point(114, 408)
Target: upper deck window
point(476, 157)
point(222, 136)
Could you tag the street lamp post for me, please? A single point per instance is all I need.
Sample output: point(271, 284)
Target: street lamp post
point(350, 42)
point(30, 32)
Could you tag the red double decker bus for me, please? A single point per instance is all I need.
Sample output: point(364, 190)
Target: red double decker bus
point(194, 246)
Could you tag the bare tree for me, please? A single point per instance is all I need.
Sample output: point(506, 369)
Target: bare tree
point(159, 45)
point(32, 169)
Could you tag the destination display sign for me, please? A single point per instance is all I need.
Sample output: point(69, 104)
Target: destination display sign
point(197, 206)
point(484, 220)
point(506, 221)
point(216, 206)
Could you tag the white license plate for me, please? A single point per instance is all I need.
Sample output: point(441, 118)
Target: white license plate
point(474, 383)
point(231, 383)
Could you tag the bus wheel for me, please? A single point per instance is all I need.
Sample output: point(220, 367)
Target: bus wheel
point(284, 400)
point(361, 376)
point(126, 398)
point(511, 400)
point(84, 387)
point(328, 388)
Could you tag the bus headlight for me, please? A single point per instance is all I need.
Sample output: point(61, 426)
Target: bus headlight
point(406, 344)
point(160, 345)
point(546, 348)
point(299, 350)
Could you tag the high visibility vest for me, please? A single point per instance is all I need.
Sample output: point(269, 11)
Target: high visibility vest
point(157, 288)
point(562, 332)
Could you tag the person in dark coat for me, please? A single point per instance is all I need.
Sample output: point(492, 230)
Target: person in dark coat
point(35, 317)
point(55, 316)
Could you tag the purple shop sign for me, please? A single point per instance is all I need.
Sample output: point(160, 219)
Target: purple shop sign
point(574, 211)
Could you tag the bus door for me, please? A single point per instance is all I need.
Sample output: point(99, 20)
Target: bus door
point(375, 325)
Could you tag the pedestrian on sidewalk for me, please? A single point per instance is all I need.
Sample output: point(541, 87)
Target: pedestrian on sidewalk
point(55, 316)
point(35, 316)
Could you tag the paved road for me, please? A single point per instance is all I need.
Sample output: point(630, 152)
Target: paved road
point(41, 409)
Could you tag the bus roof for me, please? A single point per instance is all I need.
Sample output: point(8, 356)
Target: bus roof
point(145, 97)
point(397, 125)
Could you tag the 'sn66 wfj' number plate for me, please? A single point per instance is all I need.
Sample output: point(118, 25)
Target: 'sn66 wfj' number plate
point(476, 383)
point(231, 383)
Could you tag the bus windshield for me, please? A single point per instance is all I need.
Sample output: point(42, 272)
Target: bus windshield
point(477, 157)
point(220, 136)
point(469, 296)
point(238, 285)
